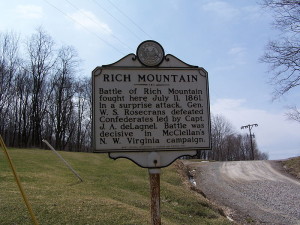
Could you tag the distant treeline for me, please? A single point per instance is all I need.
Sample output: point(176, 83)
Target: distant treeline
point(228, 145)
point(43, 95)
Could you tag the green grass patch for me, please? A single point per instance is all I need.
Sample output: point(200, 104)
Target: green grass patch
point(113, 192)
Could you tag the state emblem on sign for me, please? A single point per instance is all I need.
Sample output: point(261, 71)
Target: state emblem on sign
point(150, 53)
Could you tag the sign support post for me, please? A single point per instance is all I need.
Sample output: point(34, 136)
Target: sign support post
point(154, 177)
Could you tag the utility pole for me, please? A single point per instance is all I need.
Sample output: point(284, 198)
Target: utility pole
point(250, 126)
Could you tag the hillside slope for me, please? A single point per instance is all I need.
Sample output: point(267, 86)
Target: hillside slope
point(113, 192)
point(292, 166)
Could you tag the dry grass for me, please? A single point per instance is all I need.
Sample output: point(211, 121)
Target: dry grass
point(293, 166)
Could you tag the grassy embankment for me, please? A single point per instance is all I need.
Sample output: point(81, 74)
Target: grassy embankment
point(113, 192)
point(293, 166)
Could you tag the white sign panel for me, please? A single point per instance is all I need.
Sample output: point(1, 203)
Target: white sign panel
point(150, 109)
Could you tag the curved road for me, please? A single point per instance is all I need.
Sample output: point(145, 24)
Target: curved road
point(254, 192)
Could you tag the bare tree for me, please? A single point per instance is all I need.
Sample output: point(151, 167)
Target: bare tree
point(22, 107)
point(232, 148)
point(83, 114)
point(41, 95)
point(9, 64)
point(293, 114)
point(220, 130)
point(283, 54)
point(41, 61)
point(227, 145)
point(63, 93)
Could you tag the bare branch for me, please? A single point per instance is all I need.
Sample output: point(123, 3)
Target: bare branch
point(283, 55)
point(293, 114)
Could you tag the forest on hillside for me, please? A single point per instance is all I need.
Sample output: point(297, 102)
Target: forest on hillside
point(44, 95)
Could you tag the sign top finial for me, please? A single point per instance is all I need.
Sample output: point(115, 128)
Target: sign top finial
point(150, 53)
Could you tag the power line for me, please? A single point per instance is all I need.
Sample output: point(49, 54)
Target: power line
point(97, 23)
point(118, 21)
point(95, 34)
point(132, 21)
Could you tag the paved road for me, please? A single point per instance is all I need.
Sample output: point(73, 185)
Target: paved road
point(256, 192)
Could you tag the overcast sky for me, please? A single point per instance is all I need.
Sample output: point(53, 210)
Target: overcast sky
point(224, 37)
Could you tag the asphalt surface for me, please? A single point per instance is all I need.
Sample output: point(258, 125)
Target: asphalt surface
point(251, 192)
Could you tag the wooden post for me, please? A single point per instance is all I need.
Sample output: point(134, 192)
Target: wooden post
point(34, 220)
point(64, 161)
point(154, 175)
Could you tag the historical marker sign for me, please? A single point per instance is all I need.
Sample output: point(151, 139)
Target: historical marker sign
point(150, 102)
point(151, 109)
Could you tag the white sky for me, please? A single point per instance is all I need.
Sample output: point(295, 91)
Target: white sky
point(225, 37)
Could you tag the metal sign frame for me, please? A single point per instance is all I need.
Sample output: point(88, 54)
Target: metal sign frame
point(112, 84)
